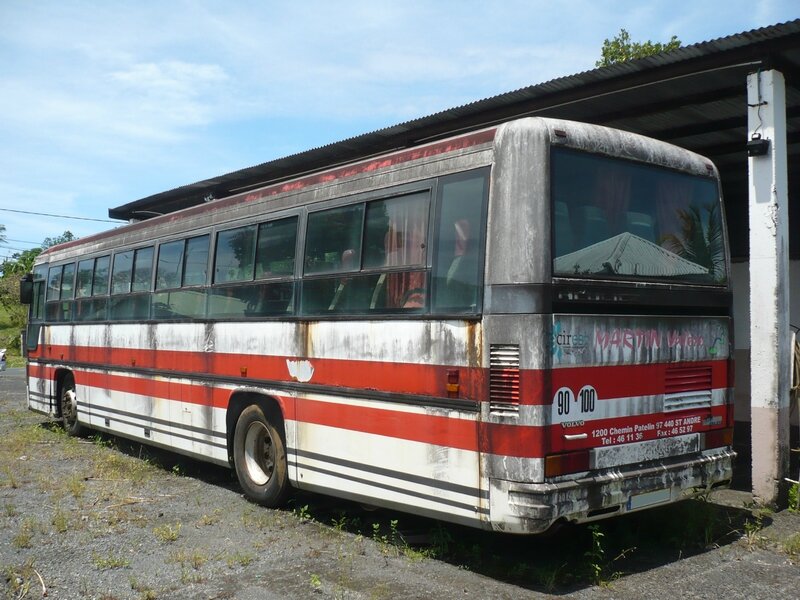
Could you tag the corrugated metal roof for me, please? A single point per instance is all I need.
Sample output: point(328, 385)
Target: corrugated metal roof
point(627, 254)
point(693, 96)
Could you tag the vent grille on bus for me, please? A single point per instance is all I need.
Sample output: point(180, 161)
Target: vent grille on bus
point(504, 378)
point(687, 387)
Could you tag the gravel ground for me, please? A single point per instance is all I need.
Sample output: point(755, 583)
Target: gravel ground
point(103, 518)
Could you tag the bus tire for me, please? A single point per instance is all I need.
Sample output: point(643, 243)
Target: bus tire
point(68, 405)
point(259, 456)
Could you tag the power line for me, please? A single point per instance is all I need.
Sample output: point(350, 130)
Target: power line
point(24, 242)
point(40, 214)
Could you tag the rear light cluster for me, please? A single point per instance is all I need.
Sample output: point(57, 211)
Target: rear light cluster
point(565, 463)
point(717, 438)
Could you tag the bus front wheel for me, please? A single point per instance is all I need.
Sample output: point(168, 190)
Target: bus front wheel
point(69, 407)
point(259, 456)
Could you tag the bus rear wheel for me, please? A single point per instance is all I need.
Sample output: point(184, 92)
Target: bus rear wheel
point(259, 456)
point(69, 407)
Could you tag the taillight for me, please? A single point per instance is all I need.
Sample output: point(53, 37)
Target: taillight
point(568, 462)
point(718, 438)
point(452, 383)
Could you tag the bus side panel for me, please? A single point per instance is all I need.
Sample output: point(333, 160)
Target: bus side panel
point(401, 452)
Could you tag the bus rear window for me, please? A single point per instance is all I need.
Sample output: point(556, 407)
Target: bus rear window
point(617, 219)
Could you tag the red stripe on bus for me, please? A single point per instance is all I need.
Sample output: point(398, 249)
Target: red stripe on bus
point(622, 381)
point(522, 441)
point(625, 381)
point(427, 429)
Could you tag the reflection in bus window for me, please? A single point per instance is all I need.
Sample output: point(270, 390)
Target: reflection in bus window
point(121, 274)
point(142, 270)
point(83, 286)
point(54, 283)
point(458, 262)
point(100, 279)
point(233, 259)
point(333, 240)
point(252, 300)
point(67, 281)
point(617, 219)
point(195, 269)
point(276, 248)
point(170, 265)
point(39, 284)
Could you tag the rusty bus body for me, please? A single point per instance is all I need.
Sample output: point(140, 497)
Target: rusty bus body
point(560, 391)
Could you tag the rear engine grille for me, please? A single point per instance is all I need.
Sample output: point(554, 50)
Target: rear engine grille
point(504, 378)
point(687, 387)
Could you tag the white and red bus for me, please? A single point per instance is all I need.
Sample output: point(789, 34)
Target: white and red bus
point(507, 328)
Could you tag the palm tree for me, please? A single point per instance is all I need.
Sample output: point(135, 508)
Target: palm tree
point(700, 241)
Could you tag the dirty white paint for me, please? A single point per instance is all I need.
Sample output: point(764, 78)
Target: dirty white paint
point(300, 370)
point(769, 289)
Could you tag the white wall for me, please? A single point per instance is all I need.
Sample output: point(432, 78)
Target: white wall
point(740, 279)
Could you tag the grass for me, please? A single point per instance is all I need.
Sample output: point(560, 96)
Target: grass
point(167, 533)
point(9, 339)
point(239, 558)
point(110, 561)
point(189, 558)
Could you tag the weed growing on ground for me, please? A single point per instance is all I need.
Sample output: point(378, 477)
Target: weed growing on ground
point(24, 536)
point(194, 558)
point(10, 479)
point(212, 519)
point(167, 533)
point(105, 563)
point(792, 547)
point(794, 498)
point(76, 486)
point(316, 582)
point(301, 512)
point(145, 591)
point(241, 559)
point(19, 579)
point(754, 526)
point(260, 518)
point(60, 521)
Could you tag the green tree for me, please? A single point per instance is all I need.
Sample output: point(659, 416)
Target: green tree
point(621, 49)
point(20, 262)
point(67, 236)
point(11, 271)
point(701, 239)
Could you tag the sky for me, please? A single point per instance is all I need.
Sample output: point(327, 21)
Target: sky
point(104, 103)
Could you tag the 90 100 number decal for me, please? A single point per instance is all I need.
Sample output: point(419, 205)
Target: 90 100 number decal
point(565, 402)
point(588, 397)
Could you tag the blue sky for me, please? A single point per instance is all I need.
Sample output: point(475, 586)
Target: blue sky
point(104, 103)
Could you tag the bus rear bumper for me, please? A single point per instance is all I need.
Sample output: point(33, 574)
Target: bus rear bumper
point(533, 507)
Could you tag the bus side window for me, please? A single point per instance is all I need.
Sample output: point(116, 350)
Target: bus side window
point(458, 259)
point(333, 248)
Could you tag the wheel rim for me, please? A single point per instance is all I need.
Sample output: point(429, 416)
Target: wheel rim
point(259, 453)
point(69, 406)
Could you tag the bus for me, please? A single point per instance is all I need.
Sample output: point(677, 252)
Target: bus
point(513, 327)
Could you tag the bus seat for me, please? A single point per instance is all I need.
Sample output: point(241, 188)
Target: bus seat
point(564, 241)
point(594, 225)
point(379, 293)
point(640, 224)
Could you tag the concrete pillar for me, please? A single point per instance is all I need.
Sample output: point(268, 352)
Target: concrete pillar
point(770, 356)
